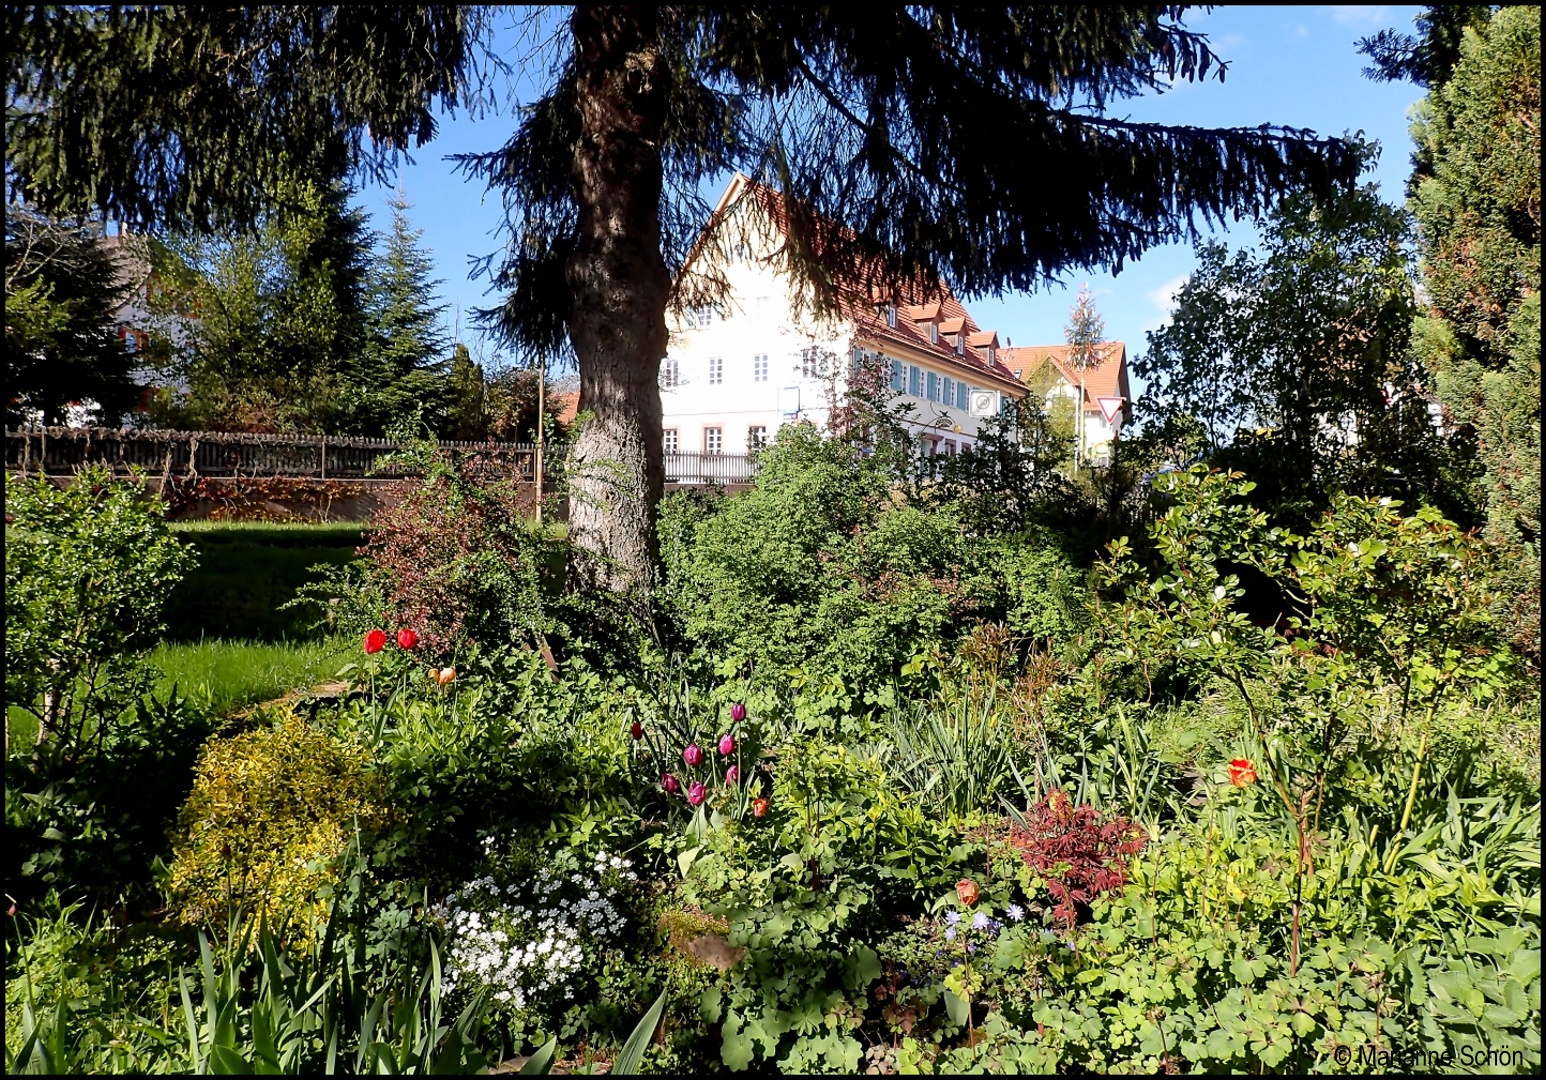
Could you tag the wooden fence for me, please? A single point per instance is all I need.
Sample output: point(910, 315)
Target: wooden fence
point(60, 451)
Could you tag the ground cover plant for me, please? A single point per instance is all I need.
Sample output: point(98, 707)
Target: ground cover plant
point(1132, 828)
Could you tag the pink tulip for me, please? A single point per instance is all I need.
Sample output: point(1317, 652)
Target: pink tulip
point(693, 755)
point(696, 794)
point(670, 783)
point(738, 712)
point(733, 775)
point(727, 745)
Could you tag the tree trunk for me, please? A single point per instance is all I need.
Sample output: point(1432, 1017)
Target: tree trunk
point(620, 284)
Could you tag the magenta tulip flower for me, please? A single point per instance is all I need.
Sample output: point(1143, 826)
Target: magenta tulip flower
point(738, 712)
point(670, 783)
point(733, 775)
point(727, 745)
point(693, 755)
point(696, 794)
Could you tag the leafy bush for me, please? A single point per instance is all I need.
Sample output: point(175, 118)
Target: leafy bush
point(88, 569)
point(272, 809)
point(93, 829)
point(821, 568)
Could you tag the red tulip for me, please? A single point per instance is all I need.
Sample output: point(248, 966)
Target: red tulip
point(733, 775)
point(967, 890)
point(759, 807)
point(738, 712)
point(727, 745)
point(696, 794)
point(693, 755)
point(375, 640)
point(1241, 772)
point(670, 783)
point(406, 638)
point(637, 731)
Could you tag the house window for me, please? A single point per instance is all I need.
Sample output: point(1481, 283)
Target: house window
point(950, 447)
point(670, 374)
point(914, 381)
point(949, 394)
point(933, 393)
point(668, 440)
point(760, 367)
point(963, 396)
point(713, 440)
point(891, 316)
point(812, 363)
point(898, 375)
point(716, 370)
point(857, 356)
point(760, 306)
point(961, 344)
point(704, 315)
point(933, 333)
point(991, 351)
point(756, 437)
point(131, 341)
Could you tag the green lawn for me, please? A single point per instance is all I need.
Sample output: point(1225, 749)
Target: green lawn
point(246, 571)
point(228, 675)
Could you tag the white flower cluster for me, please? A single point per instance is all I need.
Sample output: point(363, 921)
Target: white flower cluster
point(527, 940)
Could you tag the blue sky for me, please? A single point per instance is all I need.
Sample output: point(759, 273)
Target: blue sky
point(1294, 66)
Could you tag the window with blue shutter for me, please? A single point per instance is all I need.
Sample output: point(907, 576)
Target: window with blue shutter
point(898, 376)
point(914, 381)
point(949, 396)
point(933, 387)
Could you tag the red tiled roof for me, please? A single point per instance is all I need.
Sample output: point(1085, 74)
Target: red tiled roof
point(1106, 379)
point(863, 303)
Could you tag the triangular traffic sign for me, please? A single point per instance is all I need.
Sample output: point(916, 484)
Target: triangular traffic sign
point(1110, 406)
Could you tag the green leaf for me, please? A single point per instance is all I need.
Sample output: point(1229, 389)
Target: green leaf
point(629, 1057)
point(540, 1062)
point(957, 1008)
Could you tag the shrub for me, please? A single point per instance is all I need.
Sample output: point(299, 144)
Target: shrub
point(271, 811)
point(1080, 852)
point(92, 829)
point(88, 569)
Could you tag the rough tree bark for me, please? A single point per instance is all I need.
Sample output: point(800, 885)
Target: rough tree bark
point(620, 285)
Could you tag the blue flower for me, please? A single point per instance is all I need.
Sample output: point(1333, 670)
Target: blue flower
point(980, 921)
point(952, 917)
point(950, 934)
point(1016, 912)
point(970, 947)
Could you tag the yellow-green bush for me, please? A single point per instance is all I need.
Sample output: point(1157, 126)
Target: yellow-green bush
point(271, 811)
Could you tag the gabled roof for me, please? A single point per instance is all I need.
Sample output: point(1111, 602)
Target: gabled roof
point(1106, 379)
point(864, 305)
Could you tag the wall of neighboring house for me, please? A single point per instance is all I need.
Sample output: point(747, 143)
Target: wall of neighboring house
point(736, 372)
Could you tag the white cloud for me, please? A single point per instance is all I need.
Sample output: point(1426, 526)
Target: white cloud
point(1164, 297)
point(1368, 15)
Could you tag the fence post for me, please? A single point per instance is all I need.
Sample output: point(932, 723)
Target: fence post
point(324, 457)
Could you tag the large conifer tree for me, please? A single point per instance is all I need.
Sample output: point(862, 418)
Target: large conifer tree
point(404, 368)
point(1476, 195)
point(972, 144)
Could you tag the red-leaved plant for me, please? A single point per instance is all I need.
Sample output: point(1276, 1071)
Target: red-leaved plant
point(1081, 852)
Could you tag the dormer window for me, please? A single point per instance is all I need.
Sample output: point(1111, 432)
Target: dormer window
point(891, 316)
point(960, 344)
point(991, 352)
point(933, 333)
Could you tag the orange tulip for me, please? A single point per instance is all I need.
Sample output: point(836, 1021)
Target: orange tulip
point(1241, 772)
point(967, 890)
point(446, 675)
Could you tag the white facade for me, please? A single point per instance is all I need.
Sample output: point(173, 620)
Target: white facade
point(736, 372)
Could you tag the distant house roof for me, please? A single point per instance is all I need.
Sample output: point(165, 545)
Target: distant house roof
point(866, 306)
point(1105, 379)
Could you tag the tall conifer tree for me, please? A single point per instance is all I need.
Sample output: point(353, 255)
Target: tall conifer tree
point(1026, 173)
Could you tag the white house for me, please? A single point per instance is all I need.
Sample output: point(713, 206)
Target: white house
point(1100, 393)
point(736, 371)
